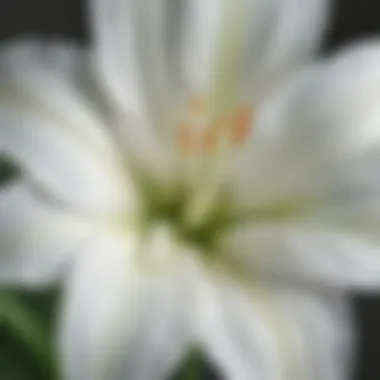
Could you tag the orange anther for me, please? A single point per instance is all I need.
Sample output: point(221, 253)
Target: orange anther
point(196, 135)
point(241, 124)
point(186, 139)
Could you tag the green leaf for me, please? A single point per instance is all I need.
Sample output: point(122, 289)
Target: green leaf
point(27, 327)
point(8, 170)
point(192, 367)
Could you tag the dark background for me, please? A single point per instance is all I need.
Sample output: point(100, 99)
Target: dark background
point(353, 19)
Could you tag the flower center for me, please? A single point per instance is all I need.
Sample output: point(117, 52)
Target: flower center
point(198, 212)
point(215, 124)
point(206, 139)
point(172, 212)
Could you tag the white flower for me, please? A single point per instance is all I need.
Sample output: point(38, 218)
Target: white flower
point(192, 191)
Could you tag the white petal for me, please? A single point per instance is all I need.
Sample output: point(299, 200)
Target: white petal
point(268, 333)
point(312, 206)
point(36, 243)
point(49, 128)
point(153, 58)
point(351, 195)
point(121, 321)
point(151, 55)
point(54, 75)
point(326, 328)
point(326, 116)
point(277, 37)
point(133, 47)
point(134, 42)
point(314, 255)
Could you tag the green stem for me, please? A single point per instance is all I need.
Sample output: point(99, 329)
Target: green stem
point(24, 323)
point(193, 367)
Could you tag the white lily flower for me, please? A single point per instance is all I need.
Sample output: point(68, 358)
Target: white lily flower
point(200, 194)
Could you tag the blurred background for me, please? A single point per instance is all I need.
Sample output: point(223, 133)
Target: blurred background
point(26, 344)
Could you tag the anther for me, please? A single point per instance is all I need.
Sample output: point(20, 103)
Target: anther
point(195, 138)
point(241, 124)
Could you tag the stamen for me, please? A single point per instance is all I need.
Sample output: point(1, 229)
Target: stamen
point(197, 135)
point(211, 136)
point(189, 136)
point(241, 124)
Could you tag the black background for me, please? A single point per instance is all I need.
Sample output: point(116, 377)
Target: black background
point(353, 20)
